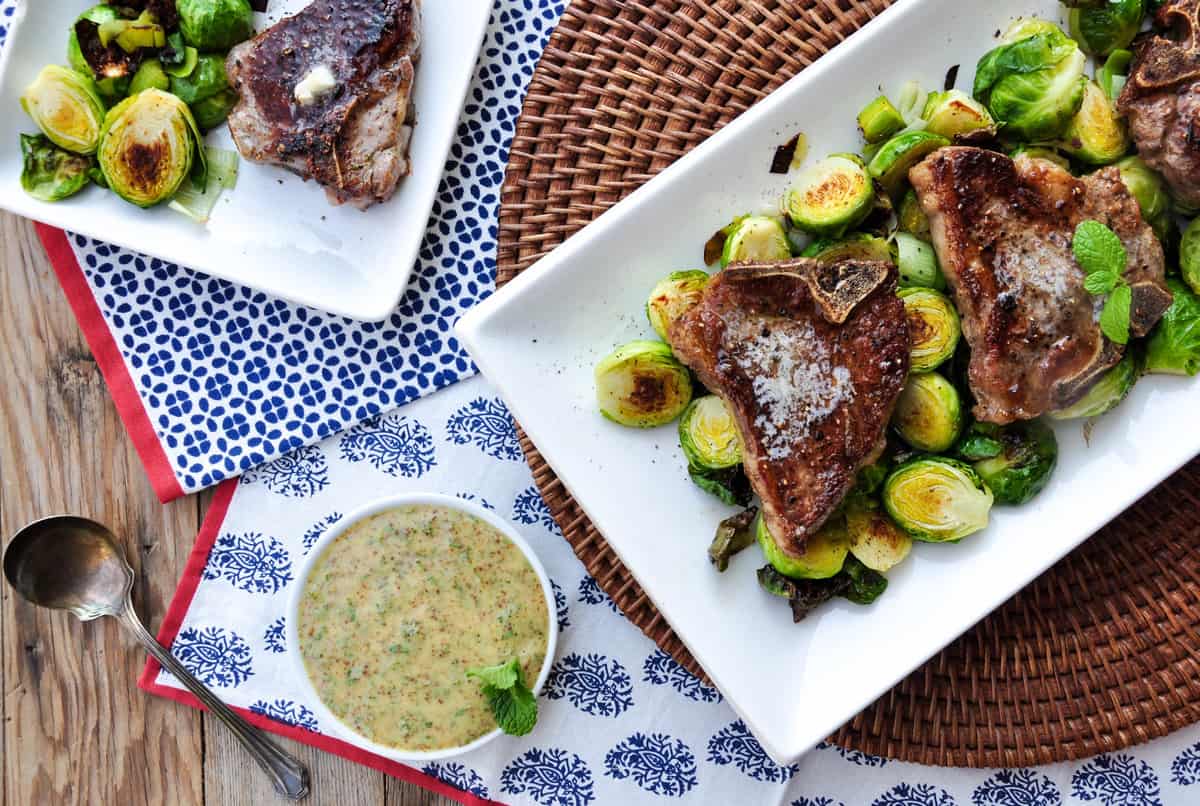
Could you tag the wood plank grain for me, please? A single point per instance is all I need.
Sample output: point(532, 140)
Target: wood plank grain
point(76, 729)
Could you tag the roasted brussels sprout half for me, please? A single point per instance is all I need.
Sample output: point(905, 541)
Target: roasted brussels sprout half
point(50, 173)
point(879, 120)
point(149, 146)
point(875, 539)
point(1097, 134)
point(1146, 186)
point(206, 90)
point(858, 246)
point(709, 435)
point(66, 107)
point(1174, 345)
point(1015, 461)
point(824, 552)
point(1033, 82)
point(1189, 255)
point(215, 24)
point(953, 112)
point(917, 263)
point(831, 197)
point(937, 500)
point(641, 385)
point(1043, 153)
point(1110, 390)
point(1106, 26)
point(149, 76)
point(911, 218)
point(890, 164)
point(933, 327)
point(733, 534)
point(673, 297)
point(756, 238)
point(929, 413)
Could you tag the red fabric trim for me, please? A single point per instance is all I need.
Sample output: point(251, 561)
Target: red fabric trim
point(178, 608)
point(112, 365)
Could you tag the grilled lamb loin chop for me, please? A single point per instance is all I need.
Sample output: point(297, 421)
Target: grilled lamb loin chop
point(326, 94)
point(1161, 100)
point(810, 359)
point(1003, 233)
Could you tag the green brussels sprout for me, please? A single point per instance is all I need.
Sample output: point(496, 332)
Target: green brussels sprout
point(1189, 255)
point(875, 539)
point(757, 239)
point(733, 534)
point(879, 120)
point(831, 197)
point(709, 434)
point(149, 76)
point(1043, 153)
point(641, 385)
point(911, 218)
point(1097, 134)
point(1174, 345)
point(891, 163)
point(50, 173)
point(857, 246)
point(1107, 26)
point(953, 112)
point(1105, 394)
point(1015, 461)
point(933, 327)
point(1033, 82)
point(937, 500)
point(823, 556)
point(672, 297)
point(149, 146)
point(917, 263)
point(1114, 75)
point(183, 61)
point(66, 107)
point(206, 90)
point(1146, 186)
point(215, 24)
point(928, 414)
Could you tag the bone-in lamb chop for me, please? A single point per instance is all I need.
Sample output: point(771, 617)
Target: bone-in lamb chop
point(326, 94)
point(810, 359)
point(1161, 100)
point(1003, 230)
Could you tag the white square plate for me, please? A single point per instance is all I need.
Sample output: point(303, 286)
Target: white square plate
point(539, 337)
point(275, 231)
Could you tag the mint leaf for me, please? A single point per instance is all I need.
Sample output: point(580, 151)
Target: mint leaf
point(502, 676)
point(1100, 282)
point(1114, 319)
point(1098, 249)
point(512, 703)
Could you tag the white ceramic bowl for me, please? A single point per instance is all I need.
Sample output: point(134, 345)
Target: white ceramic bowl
point(330, 723)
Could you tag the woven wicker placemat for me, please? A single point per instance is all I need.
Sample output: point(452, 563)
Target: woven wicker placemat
point(1100, 652)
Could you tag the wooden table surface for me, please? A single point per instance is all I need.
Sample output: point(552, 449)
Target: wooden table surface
point(77, 730)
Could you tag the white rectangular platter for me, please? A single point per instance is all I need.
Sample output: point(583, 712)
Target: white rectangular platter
point(274, 232)
point(539, 338)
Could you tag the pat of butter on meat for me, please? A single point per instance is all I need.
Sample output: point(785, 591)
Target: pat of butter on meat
point(318, 83)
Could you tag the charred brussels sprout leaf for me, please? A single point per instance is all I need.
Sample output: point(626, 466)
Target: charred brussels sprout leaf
point(933, 327)
point(66, 107)
point(1097, 134)
point(730, 484)
point(733, 534)
point(215, 24)
point(831, 196)
point(937, 500)
point(1015, 461)
point(928, 414)
point(1033, 82)
point(1106, 26)
point(864, 585)
point(149, 147)
point(1110, 390)
point(672, 297)
point(855, 582)
point(1174, 346)
point(51, 173)
point(642, 385)
point(823, 556)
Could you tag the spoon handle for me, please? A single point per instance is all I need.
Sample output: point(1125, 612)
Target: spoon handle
point(289, 776)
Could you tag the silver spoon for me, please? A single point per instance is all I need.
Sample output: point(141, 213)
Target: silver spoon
point(70, 563)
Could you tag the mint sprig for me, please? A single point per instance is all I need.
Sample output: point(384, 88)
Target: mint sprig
point(513, 704)
point(1100, 253)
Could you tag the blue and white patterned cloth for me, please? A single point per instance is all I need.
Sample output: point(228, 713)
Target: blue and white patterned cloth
point(620, 723)
point(231, 377)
